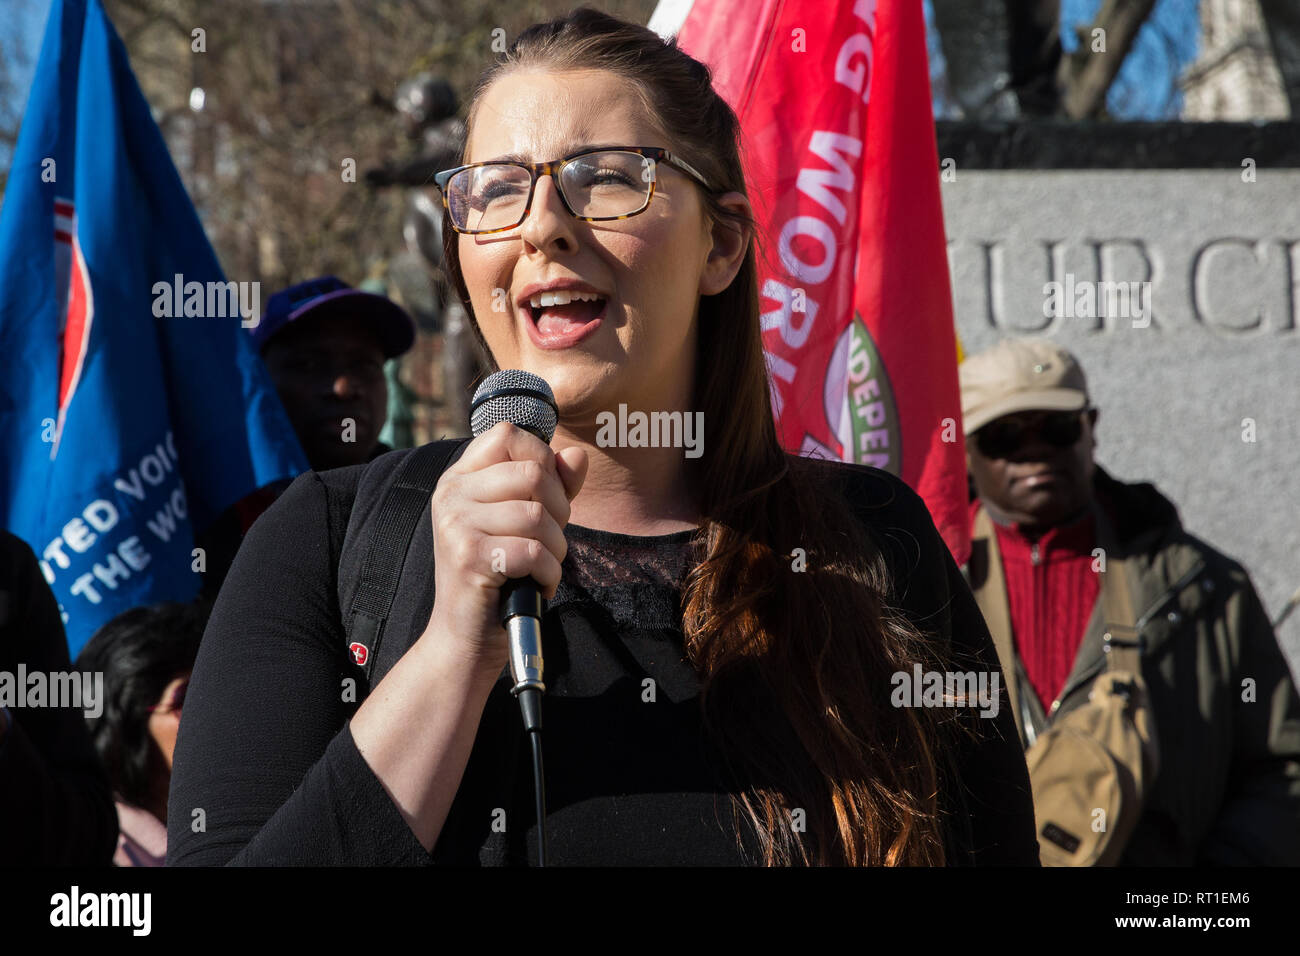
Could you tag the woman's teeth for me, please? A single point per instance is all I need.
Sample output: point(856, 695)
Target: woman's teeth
point(562, 297)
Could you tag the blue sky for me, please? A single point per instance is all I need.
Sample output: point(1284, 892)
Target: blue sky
point(1167, 43)
point(1146, 87)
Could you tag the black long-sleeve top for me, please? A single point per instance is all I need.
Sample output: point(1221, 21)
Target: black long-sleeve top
point(265, 750)
point(56, 808)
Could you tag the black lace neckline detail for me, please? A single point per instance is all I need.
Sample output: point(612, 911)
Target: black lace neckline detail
point(617, 537)
point(636, 579)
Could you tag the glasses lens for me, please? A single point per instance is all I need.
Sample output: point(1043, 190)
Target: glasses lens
point(488, 197)
point(1062, 429)
point(1000, 439)
point(608, 184)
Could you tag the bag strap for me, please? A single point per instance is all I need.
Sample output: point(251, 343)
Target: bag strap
point(394, 525)
point(991, 596)
point(1121, 640)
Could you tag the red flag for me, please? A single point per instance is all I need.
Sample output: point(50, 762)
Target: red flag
point(840, 157)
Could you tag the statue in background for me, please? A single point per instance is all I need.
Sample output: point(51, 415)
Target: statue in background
point(427, 107)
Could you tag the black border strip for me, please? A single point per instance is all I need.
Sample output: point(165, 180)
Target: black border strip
point(1053, 144)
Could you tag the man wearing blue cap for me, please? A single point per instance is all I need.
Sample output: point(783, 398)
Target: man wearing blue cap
point(325, 344)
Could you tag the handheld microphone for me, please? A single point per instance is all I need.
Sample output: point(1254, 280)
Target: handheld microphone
point(526, 401)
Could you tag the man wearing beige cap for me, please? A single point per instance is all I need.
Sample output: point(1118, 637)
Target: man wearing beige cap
point(1079, 574)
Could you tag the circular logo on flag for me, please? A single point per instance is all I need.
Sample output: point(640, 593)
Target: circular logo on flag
point(859, 401)
point(359, 652)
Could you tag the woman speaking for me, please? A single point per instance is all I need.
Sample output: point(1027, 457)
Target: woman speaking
point(723, 632)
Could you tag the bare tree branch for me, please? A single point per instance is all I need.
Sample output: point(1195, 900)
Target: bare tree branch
point(1086, 74)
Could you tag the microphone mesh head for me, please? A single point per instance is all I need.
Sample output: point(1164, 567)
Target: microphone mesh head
point(530, 404)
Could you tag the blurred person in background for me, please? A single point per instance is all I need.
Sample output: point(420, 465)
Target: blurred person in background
point(146, 655)
point(325, 344)
point(55, 804)
point(1222, 698)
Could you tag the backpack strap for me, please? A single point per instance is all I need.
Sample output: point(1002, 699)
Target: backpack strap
point(394, 524)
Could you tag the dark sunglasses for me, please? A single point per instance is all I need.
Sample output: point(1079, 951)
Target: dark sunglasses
point(1003, 438)
point(176, 702)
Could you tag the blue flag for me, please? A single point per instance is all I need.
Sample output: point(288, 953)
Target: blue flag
point(133, 409)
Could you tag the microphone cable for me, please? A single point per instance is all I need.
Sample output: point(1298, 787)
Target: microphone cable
point(521, 607)
point(530, 705)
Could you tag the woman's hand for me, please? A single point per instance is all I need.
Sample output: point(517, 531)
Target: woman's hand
point(498, 513)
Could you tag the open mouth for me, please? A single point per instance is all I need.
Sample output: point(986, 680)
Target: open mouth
point(552, 315)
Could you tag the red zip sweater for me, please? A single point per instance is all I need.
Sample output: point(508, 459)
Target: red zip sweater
point(1051, 591)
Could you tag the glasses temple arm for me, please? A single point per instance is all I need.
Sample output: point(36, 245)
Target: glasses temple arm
point(676, 161)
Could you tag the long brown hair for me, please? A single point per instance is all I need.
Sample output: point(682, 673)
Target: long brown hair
point(795, 667)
